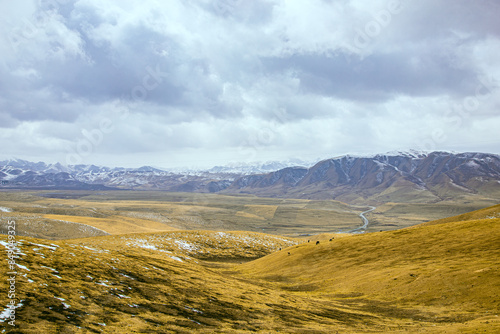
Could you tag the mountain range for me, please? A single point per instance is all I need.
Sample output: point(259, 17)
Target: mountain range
point(392, 177)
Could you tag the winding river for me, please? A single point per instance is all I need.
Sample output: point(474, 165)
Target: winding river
point(362, 228)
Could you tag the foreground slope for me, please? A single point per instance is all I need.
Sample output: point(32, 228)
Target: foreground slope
point(444, 274)
point(145, 283)
point(429, 278)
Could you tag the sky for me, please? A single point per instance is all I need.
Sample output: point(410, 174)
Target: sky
point(200, 83)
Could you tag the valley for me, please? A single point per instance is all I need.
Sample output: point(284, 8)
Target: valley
point(178, 263)
point(234, 167)
point(386, 244)
point(65, 214)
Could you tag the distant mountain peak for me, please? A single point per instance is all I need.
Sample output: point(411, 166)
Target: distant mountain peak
point(393, 176)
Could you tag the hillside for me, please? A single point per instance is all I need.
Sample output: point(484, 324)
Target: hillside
point(444, 272)
point(428, 278)
point(126, 283)
point(398, 177)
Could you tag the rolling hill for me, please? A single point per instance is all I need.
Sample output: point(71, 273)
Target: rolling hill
point(442, 273)
point(436, 277)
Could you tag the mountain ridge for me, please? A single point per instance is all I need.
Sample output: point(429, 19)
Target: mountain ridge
point(396, 176)
point(438, 174)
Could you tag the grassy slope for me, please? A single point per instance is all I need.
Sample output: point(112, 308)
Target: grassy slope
point(448, 271)
point(115, 224)
point(97, 284)
point(440, 277)
point(486, 213)
point(399, 215)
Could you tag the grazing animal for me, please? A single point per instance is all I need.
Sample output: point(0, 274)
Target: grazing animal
point(331, 239)
point(317, 242)
point(308, 240)
point(288, 253)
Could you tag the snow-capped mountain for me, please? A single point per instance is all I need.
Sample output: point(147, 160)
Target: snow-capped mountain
point(396, 176)
point(260, 167)
point(16, 173)
point(408, 176)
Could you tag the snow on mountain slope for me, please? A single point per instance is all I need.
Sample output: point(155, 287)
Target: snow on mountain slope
point(386, 177)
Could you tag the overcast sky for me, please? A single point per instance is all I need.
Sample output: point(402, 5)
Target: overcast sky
point(207, 82)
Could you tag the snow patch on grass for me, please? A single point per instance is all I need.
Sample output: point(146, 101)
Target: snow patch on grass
point(22, 267)
point(45, 246)
point(5, 314)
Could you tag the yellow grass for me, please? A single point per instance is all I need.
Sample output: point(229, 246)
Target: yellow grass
point(438, 277)
point(116, 224)
point(446, 273)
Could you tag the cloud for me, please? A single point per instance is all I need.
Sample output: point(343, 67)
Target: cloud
point(233, 79)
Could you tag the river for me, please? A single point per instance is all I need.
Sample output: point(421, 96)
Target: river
point(362, 228)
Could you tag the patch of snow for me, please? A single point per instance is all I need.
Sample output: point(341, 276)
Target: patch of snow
point(66, 306)
point(104, 283)
point(45, 246)
point(13, 246)
point(48, 268)
point(61, 299)
point(193, 309)
point(142, 243)
point(176, 258)
point(127, 276)
point(472, 164)
point(22, 267)
point(158, 268)
point(4, 209)
point(96, 250)
point(185, 245)
point(148, 246)
point(5, 314)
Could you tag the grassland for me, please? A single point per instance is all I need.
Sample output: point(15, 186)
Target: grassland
point(140, 262)
point(391, 216)
point(442, 275)
point(76, 214)
point(119, 212)
point(439, 277)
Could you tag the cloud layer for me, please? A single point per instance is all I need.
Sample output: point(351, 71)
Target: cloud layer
point(202, 83)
